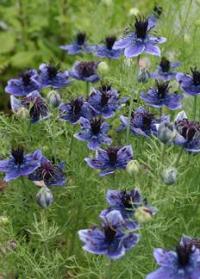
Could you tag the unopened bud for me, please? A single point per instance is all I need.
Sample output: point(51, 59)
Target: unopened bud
point(133, 167)
point(143, 76)
point(103, 68)
point(22, 113)
point(133, 12)
point(169, 176)
point(4, 220)
point(54, 98)
point(143, 214)
point(166, 132)
point(44, 197)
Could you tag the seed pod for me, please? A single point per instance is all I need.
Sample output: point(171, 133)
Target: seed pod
point(169, 176)
point(44, 197)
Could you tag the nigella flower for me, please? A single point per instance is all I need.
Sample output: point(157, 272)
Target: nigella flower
point(160, 96)
point(24, 85)
point(183, 263)
point(94, 131)
point(48, 174)
point(105, 101)
point(20, 164)
point(142, 122)
point(51, 76)
point(73, 110)
point(165, 70)
point(107, 50)
point(188, 133)
point(34, 103)
point(190, 83)
point(86, 71)
point(112, 239)
point(79, 45)
point(140, 41)
point(111, 159)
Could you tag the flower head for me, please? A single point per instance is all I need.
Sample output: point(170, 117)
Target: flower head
point(160, 96)
point(190, 83)
point(112, 238)
point(51, 76)
point(79, 45)
point(48, 174)
point(94, 131)
point(140, 41)
point(105, 101)
point(20, 164)
point(111, 159)
point(73, 110)
point(183, 263)
point(165, 70)
point(107, 50)
point(86, 71)
point(24, 85)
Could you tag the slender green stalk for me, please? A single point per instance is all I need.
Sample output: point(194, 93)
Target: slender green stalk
point(108, 270)
point(194, 107)
point(87, 89)
point(178, 157)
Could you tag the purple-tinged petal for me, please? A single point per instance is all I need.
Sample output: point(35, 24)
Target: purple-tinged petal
point(165, 258)
point(124, 42)
point(134, 50)
point(152, 49)
point(12, 174)
point(4, 165)
point(130, 240)
point(157, 40)
point(162, 273)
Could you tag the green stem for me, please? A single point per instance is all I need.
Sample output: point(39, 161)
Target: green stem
point(71, 142)
point(108, 270)
point(129, 117)
point(178, 157)
point(87, 89)
point(194, 107)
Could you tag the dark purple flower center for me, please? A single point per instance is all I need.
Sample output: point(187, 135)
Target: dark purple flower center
point(127, 199)
point(110, 42)
point(195, 76)
point(96, 125)
point(141, 28)
point(76, 106)
point(157, 11)
point(86, 69)
point(47, 170)
point(142, 119)
point(80, 38)
point(184, 251)
point(52, 71)
point(188, 129)
point(38, 108)
point(165, 64)
point(109, 233)
point(112, 154)
point(18, 155)
point(162, 89)
point(26, 78)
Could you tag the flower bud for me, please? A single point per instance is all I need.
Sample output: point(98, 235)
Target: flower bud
point(22, 113)
point(133, 12)
point(133, 167)
point(103, 68)
point(143, 76)
point(4, 220)
point(187, 38)
point(44, 197)
point(143, 214)
point(169, 176)
point(54, 98)
point(166, 132)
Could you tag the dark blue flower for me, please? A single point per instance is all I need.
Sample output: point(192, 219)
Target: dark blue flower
point(165, 70)
point(94, 131)
point(140, 41)
point(142, 123)
point(73, 110)
point(105, 101)
point(112, 239)
point(79, 45)
point(160, 96)
point(20, 164)
point(24, 85)
point(183, 263)
point(51, 76)
point(111, 159)
point(86, 71)
point(107, 51)
point(190, 83)
point(48, 174)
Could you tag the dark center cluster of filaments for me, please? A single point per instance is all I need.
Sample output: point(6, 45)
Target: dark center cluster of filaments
point(112, 154)
point(52, 71)
point(110, 42)
point(47, 170)
point(96, 125)
point(184, 251)
point(165, 65)
point(76, 106)
point(86, 69)
point(26, 78)
point(81, 38)
point(38, 108)
point(162, 89)
point(188, 129)
point(141, 28)
point(127, 199)
point(195, 76)
point(109, 233)
point(145, 119)
point(18, 155)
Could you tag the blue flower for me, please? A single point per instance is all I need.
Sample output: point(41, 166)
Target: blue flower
point(73, 110)
point(165, 70)
point(94, 131)
point(51, 76)
point(24, 85)
point(142, 123)
point(112, 239)
point(111, 159)
point(48, 174)
point(86, 71)
point(20, 164)
point(107, 51)
point(105, 101)
point(160, 96)
point(190, 83)
point(79, 45)
point(140, 41)
point(184, 263)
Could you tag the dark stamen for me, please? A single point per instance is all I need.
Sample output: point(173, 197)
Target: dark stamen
point(184, 253)
point(157, 11)
point(52, 71)
point(165, 64)
point(141, 26)
point(26, 78)
point(96, 125)
point(110, 42)
point(162, 89)
point(188, 129)
point(18, 155)
point(112, 154)
point(80, 38)
point(109, 233)
point(127, 199)
point(76, 105)
point(86, 69)
point(195, 76)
